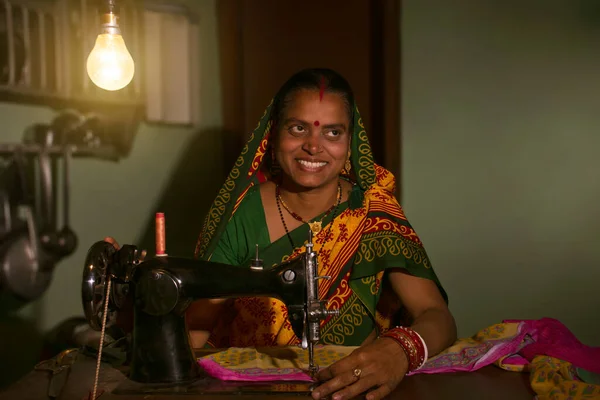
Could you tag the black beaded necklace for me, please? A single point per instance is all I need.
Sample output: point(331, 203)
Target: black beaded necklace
point(278, 200)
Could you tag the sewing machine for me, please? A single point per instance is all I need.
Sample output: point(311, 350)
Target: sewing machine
point(163, 365)
point(163, 287)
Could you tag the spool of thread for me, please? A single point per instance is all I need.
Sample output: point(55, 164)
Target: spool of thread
point(161, 241)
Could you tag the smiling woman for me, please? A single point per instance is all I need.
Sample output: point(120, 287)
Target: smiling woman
point(308, 165)
point(312, 157)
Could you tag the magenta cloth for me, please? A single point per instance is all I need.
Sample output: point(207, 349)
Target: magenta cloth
point(216, 370)
point(552, 338)
point(515, 359)
point(543, 337)
point(472, 358)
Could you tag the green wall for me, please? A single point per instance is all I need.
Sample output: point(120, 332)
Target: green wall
point(501, 135)
point(120, 199)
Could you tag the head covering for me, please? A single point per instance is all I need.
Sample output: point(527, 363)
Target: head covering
point(252, 167)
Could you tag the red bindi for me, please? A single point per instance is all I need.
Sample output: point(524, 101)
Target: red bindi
point(317, 123)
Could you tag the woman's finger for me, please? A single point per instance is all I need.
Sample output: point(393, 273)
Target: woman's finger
point(354, 377)
point(361, 385)
point(112, 241)
point(339, 367)
point(379, 393)
point(325, 374)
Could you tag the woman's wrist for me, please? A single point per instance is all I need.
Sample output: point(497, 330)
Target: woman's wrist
point(412, 343)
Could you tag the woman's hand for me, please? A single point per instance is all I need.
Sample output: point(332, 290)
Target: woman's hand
point(112, 241)
point(379, 366)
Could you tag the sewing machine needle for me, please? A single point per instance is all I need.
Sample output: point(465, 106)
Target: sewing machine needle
point(312, 368)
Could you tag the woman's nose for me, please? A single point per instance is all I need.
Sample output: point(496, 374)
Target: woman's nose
point(312, 144)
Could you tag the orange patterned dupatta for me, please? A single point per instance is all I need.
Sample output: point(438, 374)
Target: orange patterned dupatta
point(356, 247)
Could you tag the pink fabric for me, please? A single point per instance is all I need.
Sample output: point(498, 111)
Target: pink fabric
point(546, 336)
point(215, 370)
point(552, 338)
point(515, 359)
point(475, 357)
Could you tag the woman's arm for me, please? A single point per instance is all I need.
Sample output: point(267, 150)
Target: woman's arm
point(201, 317)
point(381, 365)
point(431, 317)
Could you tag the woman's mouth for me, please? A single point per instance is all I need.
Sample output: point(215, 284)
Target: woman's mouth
point(311, 165)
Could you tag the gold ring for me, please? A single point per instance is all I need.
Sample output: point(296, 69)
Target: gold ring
point(357, 372)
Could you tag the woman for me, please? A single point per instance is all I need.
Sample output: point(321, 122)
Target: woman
point(308, 165)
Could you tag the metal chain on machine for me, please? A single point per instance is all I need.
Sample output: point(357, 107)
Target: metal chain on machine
point(99, 296)
point(99, 359)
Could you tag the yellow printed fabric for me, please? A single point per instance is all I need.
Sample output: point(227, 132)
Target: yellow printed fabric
point(554, 379)
point(266, 358)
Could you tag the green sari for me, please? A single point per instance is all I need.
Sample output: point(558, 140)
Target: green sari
point(366, 237)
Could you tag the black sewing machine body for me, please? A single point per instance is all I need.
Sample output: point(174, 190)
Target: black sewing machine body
point(163, 287)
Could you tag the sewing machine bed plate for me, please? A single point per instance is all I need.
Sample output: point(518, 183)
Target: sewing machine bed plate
point(207, 385)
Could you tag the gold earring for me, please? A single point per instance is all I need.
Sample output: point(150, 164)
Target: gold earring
point(348, 165)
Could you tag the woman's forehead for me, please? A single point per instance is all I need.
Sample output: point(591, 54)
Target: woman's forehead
point(310, 106)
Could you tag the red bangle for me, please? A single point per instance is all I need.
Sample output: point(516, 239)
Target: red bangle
point(411, 343)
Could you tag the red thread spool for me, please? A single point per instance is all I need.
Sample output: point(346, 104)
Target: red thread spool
point(161, 241)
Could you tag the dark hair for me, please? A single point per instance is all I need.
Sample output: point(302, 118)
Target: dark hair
point(313, 79)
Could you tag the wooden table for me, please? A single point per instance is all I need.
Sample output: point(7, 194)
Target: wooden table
point(489, 383)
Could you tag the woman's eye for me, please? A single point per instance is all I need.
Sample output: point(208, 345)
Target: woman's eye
point(297, 129)
point(333, 133)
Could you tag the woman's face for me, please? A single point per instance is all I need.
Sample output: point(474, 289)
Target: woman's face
point(313, 138)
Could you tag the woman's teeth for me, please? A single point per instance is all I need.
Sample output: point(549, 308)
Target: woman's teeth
point(312, 165)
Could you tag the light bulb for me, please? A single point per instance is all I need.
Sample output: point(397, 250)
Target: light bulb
point(109, 64)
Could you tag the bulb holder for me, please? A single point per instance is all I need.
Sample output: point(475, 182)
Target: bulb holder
point(110, 24)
